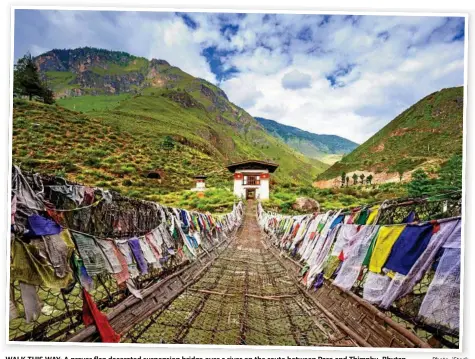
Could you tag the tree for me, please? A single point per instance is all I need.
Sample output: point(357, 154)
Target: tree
point(48, 96)
point(450, 175)
point(362, 176)
point(343, 176)
point(369, 178)
point(27, 82)
point(355, 178)
point(347, 181)
point(420, 184)
point(401, 173)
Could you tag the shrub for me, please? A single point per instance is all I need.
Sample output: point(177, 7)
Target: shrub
point(93, 162)
point(68, 166)
point(420, 184)
point(127, 169)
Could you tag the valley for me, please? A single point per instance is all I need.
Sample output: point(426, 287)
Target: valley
point(119, 120)
point(326, 148)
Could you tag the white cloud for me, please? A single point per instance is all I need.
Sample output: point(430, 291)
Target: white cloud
point(388, 73)
point(245, 99)
point(295, 80)
point(285, 64)
point(175, 42)
point(260, 60)
point(36, 50)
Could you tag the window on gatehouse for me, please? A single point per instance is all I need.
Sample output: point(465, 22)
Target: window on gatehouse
point(252, 180)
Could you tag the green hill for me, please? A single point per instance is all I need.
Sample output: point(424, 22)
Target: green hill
point(326, 148)
point(115, 111)
point(423, 136)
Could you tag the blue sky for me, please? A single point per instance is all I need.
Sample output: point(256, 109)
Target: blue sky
point(332, 74)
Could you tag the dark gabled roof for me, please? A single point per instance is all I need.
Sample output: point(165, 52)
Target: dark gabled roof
point(200, 177)
point(252, 164)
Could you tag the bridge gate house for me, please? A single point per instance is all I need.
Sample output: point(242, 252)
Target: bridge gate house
point(251, 178)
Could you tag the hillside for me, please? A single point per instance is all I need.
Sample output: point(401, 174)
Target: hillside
point(54, 140)
point(326, 148)
point(114, 113)
point(423, 136)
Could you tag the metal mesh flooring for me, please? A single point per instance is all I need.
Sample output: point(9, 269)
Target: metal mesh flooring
point(246, 297)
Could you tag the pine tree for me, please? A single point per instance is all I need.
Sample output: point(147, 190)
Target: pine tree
point(362, 176)
point(355, 178)
point(27, 82)
point(420, 184)
point(343, 177)
point(369, 178)
point(450, 175)
point(347, 181)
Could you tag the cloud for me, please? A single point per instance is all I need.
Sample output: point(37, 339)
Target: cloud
point(295, 80)
point(36, 50)
point(362, 73)
point(343, 75)
point(245, 99)
point(260, 60)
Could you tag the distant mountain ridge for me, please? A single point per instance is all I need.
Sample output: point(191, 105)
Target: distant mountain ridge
point(310, 144)
point(423, 136)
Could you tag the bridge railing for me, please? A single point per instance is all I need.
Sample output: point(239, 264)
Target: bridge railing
point(404, 310)
point(106, 215)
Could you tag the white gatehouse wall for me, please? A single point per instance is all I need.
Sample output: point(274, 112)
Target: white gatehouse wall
point(262, 190)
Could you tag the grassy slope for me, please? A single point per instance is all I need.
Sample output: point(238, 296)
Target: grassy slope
point(60, 80)
point(330, 158)
point(119, 139)
point(54, 140)
point(88, 103)
point(152, 116)
point(428, 132)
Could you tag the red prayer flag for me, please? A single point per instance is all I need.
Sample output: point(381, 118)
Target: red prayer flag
point(92, 315)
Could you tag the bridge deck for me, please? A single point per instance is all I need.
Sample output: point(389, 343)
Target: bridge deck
point(245, 297)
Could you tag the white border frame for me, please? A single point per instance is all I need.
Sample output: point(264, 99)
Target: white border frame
point(244, 10)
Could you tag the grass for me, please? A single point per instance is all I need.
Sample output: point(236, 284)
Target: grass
point(283, 197)
point(330, 158)
point(151, 116)
point(135, 65)
point(59, 79)
point(214, 200)
point(89, 103)
point(54, 140)
point(427, 132)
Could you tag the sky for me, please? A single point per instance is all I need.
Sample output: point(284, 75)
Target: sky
point(329, 74)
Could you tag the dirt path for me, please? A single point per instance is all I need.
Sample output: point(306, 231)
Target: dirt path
point(246, 297)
